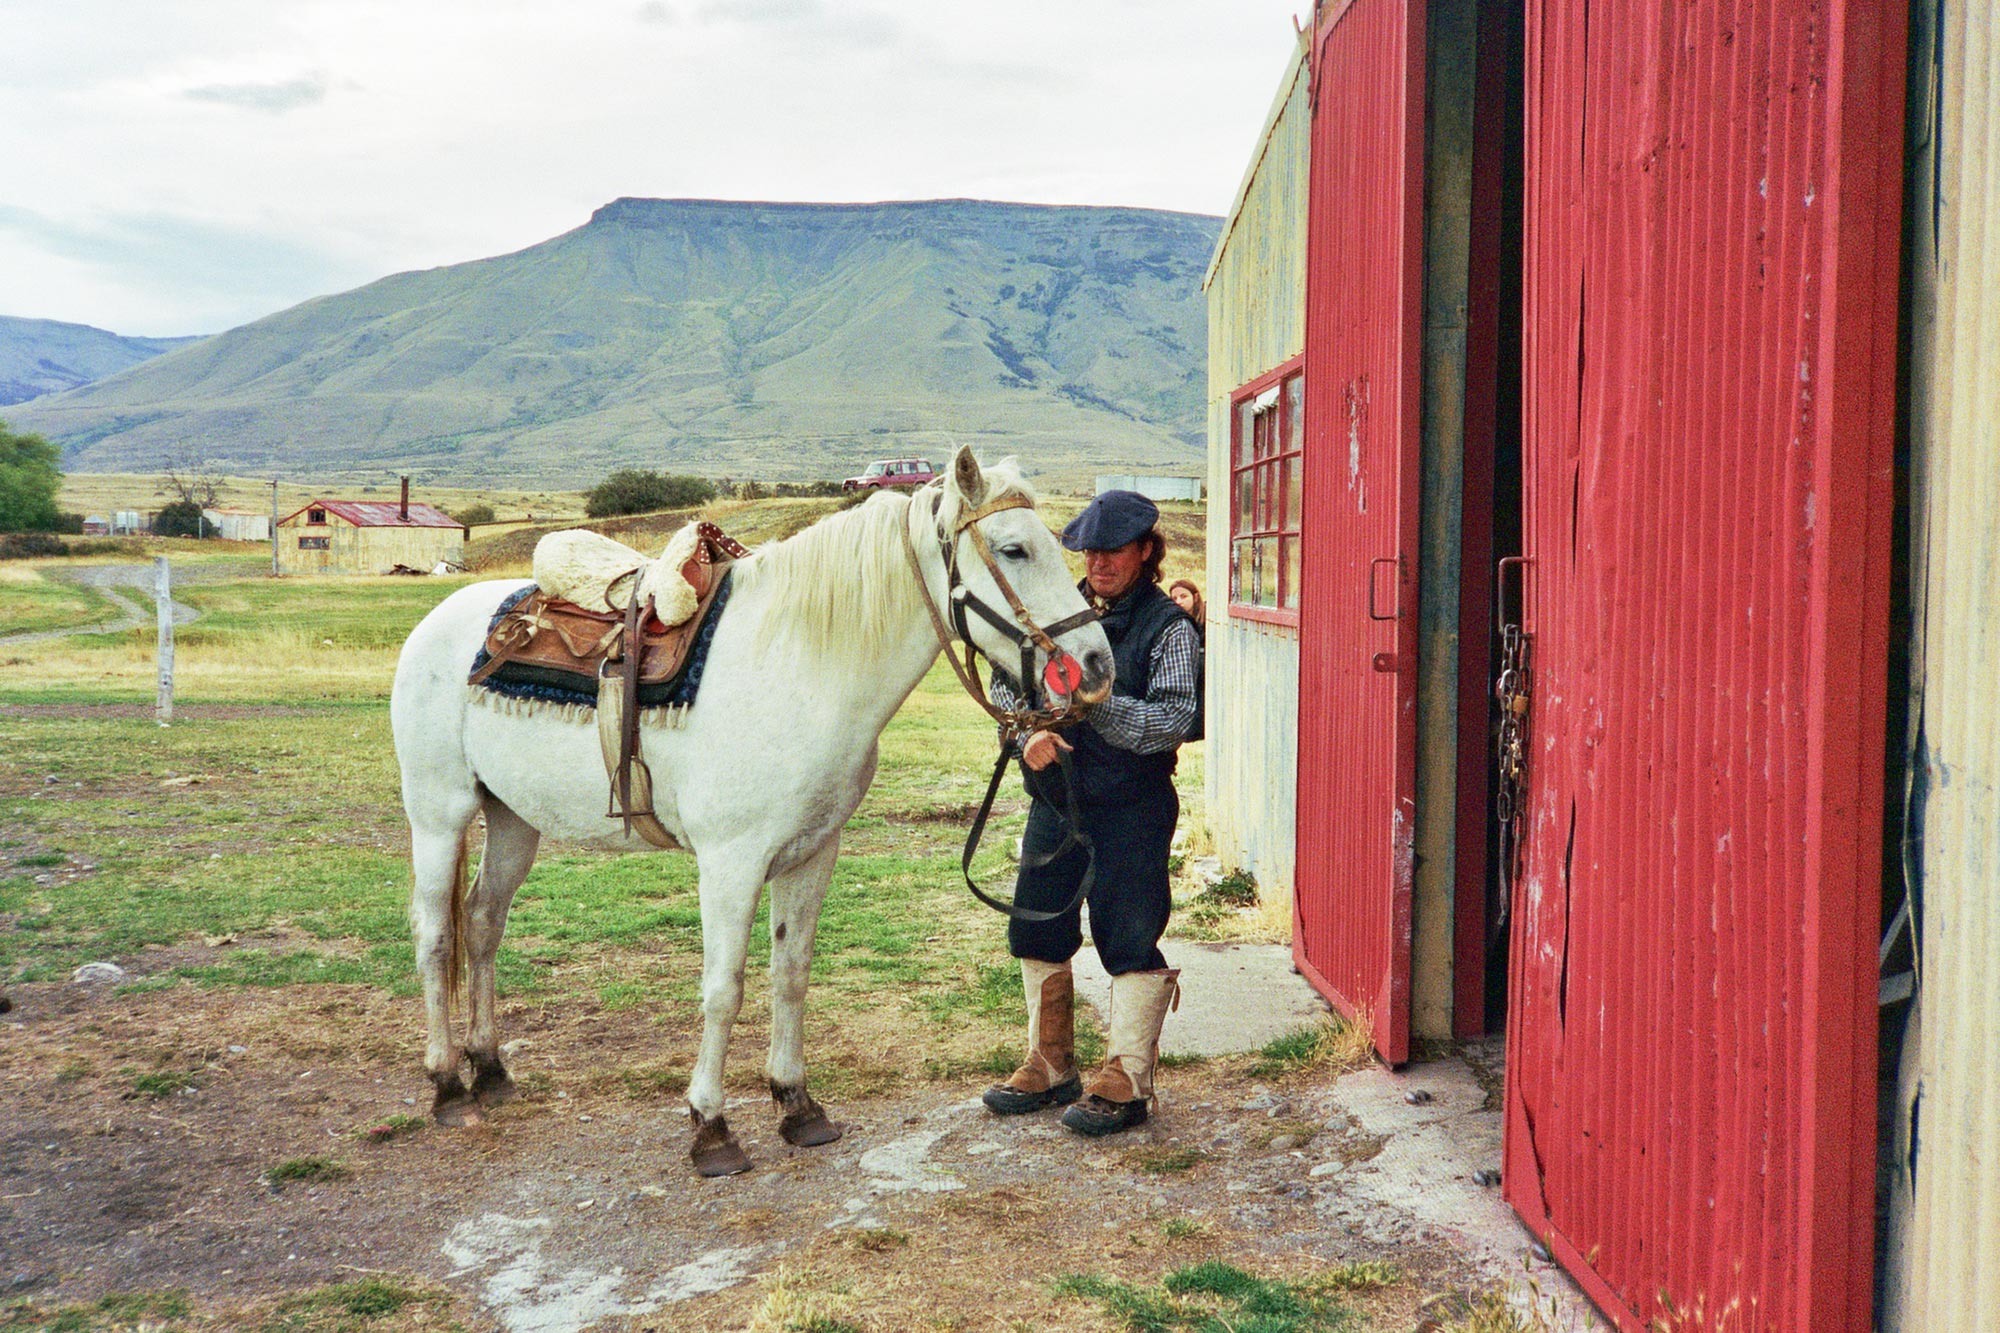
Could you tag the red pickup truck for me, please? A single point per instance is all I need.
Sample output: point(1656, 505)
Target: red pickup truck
point(891, 472)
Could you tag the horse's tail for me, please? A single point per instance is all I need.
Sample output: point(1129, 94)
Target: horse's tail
point(454, 963)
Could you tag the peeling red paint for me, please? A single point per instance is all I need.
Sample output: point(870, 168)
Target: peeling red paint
point(1713, 195)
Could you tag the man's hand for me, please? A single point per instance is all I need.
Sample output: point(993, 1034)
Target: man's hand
point(1039, 750)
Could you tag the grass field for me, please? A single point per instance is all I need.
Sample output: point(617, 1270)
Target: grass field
point(120, 835)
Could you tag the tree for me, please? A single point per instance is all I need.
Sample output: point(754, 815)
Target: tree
point(631, 491)
point(180, 518)
point(190, 481)
point(29, 480)
point(474, 514)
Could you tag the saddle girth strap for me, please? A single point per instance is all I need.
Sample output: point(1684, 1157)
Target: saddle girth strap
point(618, 736)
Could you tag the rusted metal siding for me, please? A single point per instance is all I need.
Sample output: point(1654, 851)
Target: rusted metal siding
point(1712, 222)
point(1358, 609)
point(1945, 1238)
point(1256, 322)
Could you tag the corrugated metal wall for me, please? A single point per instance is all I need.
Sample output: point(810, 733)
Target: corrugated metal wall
point(1256, 322)
point(1358, 608)
point(1945, 1243)
point(1713, 196)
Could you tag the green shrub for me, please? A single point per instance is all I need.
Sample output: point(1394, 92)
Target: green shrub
point(632, 491)
point(182, 518)
point(475, 514)
point(30, 545)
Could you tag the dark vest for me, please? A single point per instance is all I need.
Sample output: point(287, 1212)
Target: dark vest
point(1103, 772)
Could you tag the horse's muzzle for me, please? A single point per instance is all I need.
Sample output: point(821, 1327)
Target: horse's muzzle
point(1098, 671)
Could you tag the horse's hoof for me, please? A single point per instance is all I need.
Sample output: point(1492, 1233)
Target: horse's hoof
point(808, 1128)
point(454, 1107)
point(804, 1125)
point(458, 1113)
point(716, 1151)
point(491, 1083)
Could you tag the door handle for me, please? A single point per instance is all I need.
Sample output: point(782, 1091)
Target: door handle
point(1519, 563)
point(1397, 561)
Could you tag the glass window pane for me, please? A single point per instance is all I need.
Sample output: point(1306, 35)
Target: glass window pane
point(1263, 510)
point(1245, 492)
point(1266, 562)
point(1295, 411)
point(1291, 584)
point(1295, 492)
point(1239, 574)
point(1245, 425)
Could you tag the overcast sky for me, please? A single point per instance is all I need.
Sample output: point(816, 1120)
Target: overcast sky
point(183, 166)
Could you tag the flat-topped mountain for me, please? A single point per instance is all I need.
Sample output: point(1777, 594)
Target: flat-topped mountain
point(43, 356)
point(779, 341)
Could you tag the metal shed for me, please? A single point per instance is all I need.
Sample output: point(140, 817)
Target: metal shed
point(1256, 334)
point(1944, 1242)
point(239, 525)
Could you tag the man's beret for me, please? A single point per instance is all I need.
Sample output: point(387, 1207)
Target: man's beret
point(1110, 520)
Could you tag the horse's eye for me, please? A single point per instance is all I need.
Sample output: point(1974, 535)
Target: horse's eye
point(1014, 552)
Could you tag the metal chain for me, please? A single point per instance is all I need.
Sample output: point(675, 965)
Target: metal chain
point(1514, 691)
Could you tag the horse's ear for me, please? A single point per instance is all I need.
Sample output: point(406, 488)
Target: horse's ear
point(967, 479)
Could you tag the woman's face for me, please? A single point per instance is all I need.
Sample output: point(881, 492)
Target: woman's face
point(1184, 598)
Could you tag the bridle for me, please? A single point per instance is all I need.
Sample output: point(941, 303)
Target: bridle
point(1020, 627)
point(1015, 723)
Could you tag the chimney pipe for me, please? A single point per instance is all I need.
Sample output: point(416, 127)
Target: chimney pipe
point(406, 500)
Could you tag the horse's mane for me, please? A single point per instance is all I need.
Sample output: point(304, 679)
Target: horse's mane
point(844, 583)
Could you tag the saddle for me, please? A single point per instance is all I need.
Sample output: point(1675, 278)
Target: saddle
point(629, 660)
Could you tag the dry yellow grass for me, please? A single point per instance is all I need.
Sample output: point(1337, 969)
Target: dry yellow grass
point(107, 492)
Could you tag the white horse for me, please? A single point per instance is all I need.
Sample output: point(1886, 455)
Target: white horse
point(823, 637)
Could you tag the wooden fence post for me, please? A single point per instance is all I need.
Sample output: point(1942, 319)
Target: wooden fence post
point(163, 601)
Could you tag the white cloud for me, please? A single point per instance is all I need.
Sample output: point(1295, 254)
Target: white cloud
point(395, 136)
point(273, 97)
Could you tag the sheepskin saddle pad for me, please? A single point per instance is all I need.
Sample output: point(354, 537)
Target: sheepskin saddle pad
point(548, 641)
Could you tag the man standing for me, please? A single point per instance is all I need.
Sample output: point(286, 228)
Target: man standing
point(1121, 762)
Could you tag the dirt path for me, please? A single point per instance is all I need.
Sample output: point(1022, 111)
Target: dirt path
point(109, 580)
point(574, 1208)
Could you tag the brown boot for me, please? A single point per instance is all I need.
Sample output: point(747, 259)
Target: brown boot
point(1120, 1088)
point(1048, 1076)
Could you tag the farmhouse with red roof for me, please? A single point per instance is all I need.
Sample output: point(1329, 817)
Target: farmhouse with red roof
point(368, 537)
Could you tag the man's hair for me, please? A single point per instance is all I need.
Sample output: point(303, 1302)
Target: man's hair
point(1156, 555)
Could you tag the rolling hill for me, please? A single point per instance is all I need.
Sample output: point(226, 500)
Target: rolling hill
point(780, 341)
point(44, 356)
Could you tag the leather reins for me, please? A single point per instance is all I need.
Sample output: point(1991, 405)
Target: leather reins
point(1026, 635)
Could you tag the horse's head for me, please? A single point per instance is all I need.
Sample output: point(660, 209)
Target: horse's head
point(994, 507)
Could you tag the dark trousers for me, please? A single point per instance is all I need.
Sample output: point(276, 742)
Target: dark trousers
point(1129, 899)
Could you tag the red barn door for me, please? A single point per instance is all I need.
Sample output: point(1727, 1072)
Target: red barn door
point(1358, 591)
point(1711, 279)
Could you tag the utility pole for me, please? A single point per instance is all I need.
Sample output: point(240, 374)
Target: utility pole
point(274, 527)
